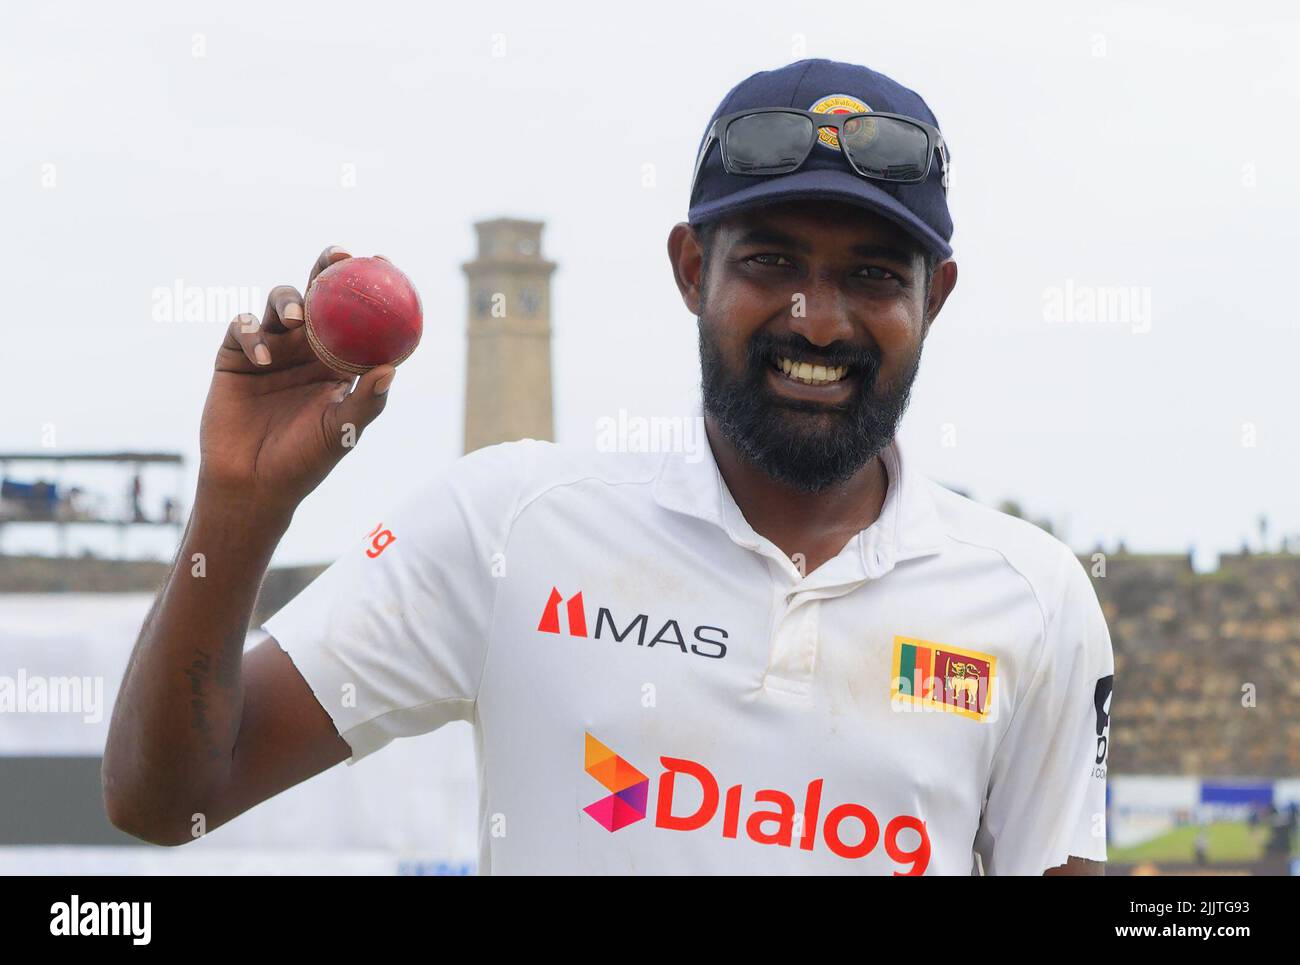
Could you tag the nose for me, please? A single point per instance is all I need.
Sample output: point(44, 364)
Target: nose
point(822, 316)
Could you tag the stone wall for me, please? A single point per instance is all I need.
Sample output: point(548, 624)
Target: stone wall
point(1207, 666)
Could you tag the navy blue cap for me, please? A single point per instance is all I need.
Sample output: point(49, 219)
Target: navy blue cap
point(827, 86)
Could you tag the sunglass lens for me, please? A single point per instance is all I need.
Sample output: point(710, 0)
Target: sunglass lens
point(772, 143)
point(885, 147)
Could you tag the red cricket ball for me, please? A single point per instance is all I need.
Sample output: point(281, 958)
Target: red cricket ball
point(362, 312)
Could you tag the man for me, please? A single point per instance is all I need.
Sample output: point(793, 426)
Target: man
point(795, 655)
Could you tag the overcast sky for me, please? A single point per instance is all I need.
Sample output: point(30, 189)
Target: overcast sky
point(1149, 148)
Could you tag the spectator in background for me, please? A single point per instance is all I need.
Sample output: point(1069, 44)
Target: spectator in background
point(137, 493)
point(44, 499)
point(75, 504)
point(1279, 838)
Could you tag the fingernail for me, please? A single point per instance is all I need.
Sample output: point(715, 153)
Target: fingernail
point(382, 385)
point(293, 312)
point(261, 354)
point(337, 250)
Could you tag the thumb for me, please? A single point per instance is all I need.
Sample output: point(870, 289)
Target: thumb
point(362, 405)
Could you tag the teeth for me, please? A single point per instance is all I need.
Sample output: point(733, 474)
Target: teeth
point(812, 374)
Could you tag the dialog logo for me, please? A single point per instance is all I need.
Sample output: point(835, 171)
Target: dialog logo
point(707, 804)
point(629, 788)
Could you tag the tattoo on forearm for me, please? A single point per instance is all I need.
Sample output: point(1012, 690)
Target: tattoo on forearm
point(198, 671)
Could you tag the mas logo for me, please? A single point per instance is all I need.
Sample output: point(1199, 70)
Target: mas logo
point(569, 618)
point(935, 676)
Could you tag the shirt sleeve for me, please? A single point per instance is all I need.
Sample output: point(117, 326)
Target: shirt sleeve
point(1047, 792)
point(392, 637)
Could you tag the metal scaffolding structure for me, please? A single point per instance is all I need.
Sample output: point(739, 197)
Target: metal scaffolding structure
point(55, 502)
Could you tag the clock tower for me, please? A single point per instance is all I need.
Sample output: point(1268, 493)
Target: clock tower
point(508, 380)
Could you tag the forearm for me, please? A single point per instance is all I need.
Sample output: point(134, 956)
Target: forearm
point(177, 715)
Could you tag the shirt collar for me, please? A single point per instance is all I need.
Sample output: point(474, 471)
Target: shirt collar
point(908, 526)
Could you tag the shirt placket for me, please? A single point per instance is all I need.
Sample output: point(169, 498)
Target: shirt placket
point(793, 654)
point(797, 600)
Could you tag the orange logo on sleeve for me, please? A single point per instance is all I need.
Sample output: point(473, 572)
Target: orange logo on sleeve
point(380, 540)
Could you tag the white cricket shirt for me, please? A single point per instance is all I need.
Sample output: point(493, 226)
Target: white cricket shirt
point(655, 688)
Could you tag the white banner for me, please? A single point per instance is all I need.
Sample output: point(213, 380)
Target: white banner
point(416, 797)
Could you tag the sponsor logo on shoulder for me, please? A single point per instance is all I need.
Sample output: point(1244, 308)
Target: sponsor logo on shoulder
point(1101, 703)
point(380, 539)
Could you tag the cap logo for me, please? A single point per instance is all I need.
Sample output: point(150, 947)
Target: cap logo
point(836, 104)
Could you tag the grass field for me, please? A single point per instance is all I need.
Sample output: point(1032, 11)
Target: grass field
point(1227, 841)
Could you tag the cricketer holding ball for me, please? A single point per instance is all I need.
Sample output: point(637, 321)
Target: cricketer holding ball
point(793, 655)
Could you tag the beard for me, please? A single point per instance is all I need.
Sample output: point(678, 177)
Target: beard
point(807, 446)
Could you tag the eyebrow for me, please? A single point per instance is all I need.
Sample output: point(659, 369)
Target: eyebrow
point(770, 236)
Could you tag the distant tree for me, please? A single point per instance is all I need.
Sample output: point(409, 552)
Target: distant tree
point(1011, 508)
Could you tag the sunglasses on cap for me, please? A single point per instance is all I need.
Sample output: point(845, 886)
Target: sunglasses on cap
point(778, 140)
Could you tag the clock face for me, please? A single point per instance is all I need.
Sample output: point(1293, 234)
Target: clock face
point(530, 300)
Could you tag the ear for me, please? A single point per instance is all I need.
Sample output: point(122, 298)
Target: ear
point(942, 281)
point(687, 258)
